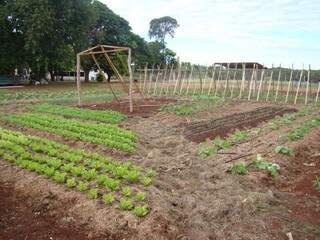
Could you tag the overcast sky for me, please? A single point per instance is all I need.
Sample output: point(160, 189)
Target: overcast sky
point(274, 31)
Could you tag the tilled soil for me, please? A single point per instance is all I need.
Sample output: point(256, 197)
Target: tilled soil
point(191, 198)
point(200, 131)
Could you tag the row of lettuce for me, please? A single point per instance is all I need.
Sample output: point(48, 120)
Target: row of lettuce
point(100, 177)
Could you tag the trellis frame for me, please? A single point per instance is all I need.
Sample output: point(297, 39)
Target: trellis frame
point(106, 50)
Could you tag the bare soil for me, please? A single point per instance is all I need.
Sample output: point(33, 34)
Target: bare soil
point(191, 198)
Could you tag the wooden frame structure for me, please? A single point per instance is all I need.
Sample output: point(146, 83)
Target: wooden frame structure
point(106, 51)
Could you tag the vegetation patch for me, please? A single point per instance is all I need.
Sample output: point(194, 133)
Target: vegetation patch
point(98, 176)
point(261, 163)
point(300, 131)
point(105, 134)
point(106, 116)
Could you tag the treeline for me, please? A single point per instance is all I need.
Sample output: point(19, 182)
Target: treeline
point(45, 35)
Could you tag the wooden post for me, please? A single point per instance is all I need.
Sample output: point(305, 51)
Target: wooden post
point(156, 83)
point(170, 76)
point(289, 84)
point(150, 79)
point(163, 79)
point(269, 87)
point(298, 87)
point(243, 79)
point(218, 81)
point(145, 77)
point(318, 92)
point(251, 82)
point(227, 81)
point(212, 78)
point(183, 79)
point(140, 78)
point(79, 80)
point(131, 80)
point(260, 84)
point(233, 82)
point(189, 79)
point(278, 84)
point(177, 80)
point(205, 79)
point(308, 82)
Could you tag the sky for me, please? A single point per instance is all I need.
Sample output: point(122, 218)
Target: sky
point(275, 32)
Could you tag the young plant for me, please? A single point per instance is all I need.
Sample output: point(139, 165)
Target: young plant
point(151, 173)
point(108, 198)
point(126, 191)
point(284, 150)
point(132, 176)
point(238, 136)
point(82, 186)
point(207, 150)
point(140, 211)
point(125, 204)
point(71, 183)
point(140, 196)
point(238, 168)
point(59, 177)
point(316, 183)
point(112, 184)
point(146, 181)
point(262, 164)
point(221, 143)
point(93, 193)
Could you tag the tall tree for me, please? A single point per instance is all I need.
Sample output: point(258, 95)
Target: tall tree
point(161, 27)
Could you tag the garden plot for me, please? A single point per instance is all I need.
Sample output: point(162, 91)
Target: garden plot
point(190, 197)
point(200, 131)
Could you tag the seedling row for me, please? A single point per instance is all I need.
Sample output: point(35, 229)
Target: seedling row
point(106, 116)
point(105, 134)
point(99, 177)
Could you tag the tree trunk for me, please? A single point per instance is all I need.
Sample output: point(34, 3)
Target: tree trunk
point(52, 75)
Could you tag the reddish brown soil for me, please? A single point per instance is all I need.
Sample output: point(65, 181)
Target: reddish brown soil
point(198, 132)
point(142, 108)
point(21, 219)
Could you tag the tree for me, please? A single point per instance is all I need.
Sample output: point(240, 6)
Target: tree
point(161, 27)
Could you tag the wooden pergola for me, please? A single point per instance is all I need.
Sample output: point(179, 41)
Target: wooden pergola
point(107, 51)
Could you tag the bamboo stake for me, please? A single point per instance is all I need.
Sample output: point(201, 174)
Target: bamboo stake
point(298, 87)
point(260, 84)
point(278, 84)
point(183, 79)
point(251, 82)
point(269, 87)
point(243, 79)
point(233, 82)
point(170, 76)
point(218, 81)
point(189, 79)
point(78, 80)
point(289, 84)
point(308, 82)
point(163, 79)
point(205, 79)
point(140, 79)
point(145, 77)
point(150, 79)
point(157, 79)
point(212, 79)
point(131, 81)
point(227, 81)
point(318, 92)
point(177, 80)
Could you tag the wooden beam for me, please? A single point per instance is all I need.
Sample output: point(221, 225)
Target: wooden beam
point(79, 80)
point(278, 84)
point(131, 81)
point(298, 87)
point(308, 82)
point(212, 78)
point(289, 84)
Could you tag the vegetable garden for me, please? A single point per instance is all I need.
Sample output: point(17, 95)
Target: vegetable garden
point(197, 167)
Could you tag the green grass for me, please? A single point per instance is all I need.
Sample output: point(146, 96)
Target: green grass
point(106, 116)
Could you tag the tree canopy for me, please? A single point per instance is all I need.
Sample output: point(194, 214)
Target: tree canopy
point(45, 35)
point(161, 27)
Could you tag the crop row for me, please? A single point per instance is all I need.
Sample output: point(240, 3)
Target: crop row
point(99, 177)
point(299, 132)
point(107, 116)
point(105, 134)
